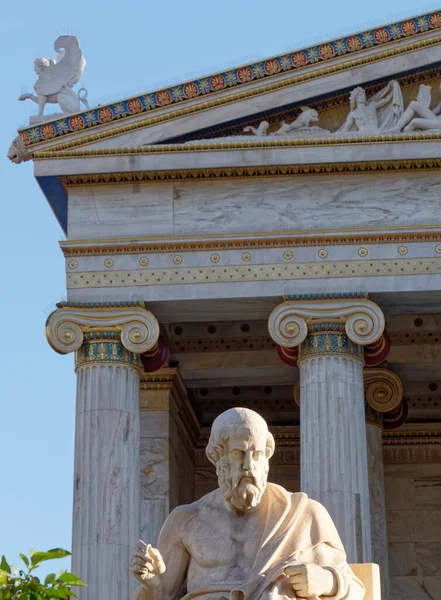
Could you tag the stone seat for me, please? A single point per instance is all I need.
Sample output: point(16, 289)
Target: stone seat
point(369, 574)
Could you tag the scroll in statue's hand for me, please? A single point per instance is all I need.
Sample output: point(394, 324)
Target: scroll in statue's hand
point(310, 580)
point(147, 565)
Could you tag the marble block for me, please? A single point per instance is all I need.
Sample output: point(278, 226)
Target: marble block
point(369, 573)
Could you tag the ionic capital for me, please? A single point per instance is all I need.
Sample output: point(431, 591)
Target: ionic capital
point(383, 389)
point(363, 320)
point(72, 324)
point(383, 392)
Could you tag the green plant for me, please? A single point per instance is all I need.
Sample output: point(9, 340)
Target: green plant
point(20, 584)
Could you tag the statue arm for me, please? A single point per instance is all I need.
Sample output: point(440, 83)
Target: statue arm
point(328, 553)
point(175, 556)
point(348, 123)
point(346, 584)
point(437, 109)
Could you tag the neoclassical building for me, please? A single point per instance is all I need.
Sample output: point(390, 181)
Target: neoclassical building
point(267, 237)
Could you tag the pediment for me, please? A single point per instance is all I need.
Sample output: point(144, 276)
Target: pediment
point(218, 108)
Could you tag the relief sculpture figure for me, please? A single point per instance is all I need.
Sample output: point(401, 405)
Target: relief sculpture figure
point(249, 539)
point(56, 78)
point(418, 115)
point(381, 113)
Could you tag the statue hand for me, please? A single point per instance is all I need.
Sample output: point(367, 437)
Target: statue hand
point(23, 97)
point(310, 580)
point(147, 565)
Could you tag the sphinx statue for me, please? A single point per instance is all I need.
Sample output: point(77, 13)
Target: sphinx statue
point(56, 78)
point(249, 539)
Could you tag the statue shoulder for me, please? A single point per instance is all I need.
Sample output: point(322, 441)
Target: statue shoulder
point(184, 512)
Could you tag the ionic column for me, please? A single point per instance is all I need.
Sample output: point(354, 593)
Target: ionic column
point(383, 395)
point(330, 335)
point(107, 341)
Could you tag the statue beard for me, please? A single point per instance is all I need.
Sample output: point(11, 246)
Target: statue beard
point(240, 490)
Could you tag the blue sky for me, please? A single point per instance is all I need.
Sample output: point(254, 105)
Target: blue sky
point(130, 47)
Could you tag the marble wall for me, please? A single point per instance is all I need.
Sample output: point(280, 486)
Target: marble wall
point(167, 471)
point(253, 205)
point(413, 504)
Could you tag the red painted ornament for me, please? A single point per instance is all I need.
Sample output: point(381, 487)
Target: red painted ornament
point(155, 358)
point(288, 355)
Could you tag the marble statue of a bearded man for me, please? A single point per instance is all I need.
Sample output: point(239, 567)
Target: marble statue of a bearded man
point(249, 539)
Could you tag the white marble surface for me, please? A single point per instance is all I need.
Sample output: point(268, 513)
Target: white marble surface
point(333, 447)
point(305, 203)
point(254, 205)
point(377, 504)
point(120, 211)
point(106, 519)
point(167, 470)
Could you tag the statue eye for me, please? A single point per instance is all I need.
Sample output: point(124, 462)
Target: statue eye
point(257, 455)
point(237, 454)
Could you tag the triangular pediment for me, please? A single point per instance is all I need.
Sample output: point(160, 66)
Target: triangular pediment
point(222, 105)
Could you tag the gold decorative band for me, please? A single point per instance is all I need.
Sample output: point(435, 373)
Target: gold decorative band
point(336, 343)
point(105, 348)
point(364, 167)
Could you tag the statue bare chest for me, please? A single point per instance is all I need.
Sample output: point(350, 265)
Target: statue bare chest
point(220, 539)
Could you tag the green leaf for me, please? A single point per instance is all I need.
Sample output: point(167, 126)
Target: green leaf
point(39, 557)
point(50, 579)
point(71, 579)
point(4, 565)
point(25, 559)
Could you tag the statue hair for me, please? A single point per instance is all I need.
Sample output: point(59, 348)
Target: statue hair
point(356, 92)
point(232, 420)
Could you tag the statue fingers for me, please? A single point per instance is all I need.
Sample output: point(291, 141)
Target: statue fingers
point(143, 557)
point(157, 557)
point(137, 564)
point(142, 547)
point(294, 569)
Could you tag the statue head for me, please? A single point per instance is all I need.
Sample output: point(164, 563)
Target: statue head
point(357, 96)
point(240, 447)
point(308, 115)
point(18, 152)
point(42, 63)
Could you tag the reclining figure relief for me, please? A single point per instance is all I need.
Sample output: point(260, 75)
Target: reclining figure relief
point(249, 539)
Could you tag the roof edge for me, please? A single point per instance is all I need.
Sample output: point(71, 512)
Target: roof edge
point(245, 74)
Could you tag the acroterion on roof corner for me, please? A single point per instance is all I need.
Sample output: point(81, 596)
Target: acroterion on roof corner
point(245, 74)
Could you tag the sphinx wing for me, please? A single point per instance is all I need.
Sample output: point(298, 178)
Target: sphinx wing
point(65, 72)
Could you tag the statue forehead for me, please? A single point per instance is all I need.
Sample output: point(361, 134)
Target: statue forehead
point(239, 421)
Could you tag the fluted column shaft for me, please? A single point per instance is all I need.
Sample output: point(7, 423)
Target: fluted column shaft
point(106, 514)
point(330, 333)
point(333, 446)
point(107, 340)
point(374, 437)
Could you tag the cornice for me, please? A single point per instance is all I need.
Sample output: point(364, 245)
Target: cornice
point(247, 144)
point(50, 130)
point(342, 168)
point(119, 246)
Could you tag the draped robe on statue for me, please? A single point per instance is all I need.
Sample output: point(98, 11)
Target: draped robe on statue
point(294, 530)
